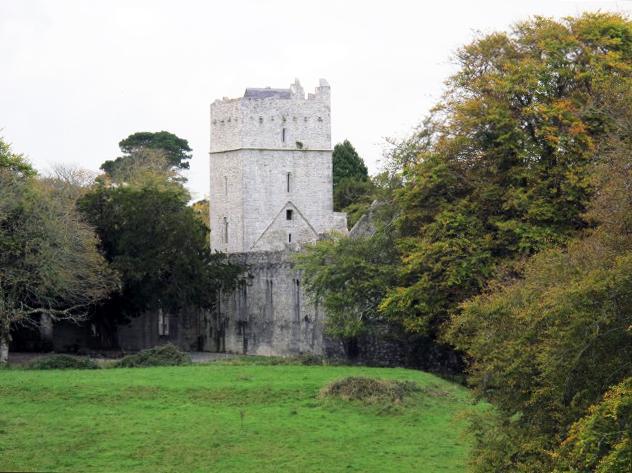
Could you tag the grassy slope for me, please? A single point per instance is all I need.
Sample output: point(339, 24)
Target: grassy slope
point(189, 419)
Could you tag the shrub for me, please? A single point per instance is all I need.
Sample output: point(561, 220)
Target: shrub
point(62, 362)
point(164, 355)
point(369, 390)
point(307, 359)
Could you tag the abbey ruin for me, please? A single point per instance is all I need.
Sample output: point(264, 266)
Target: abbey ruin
point(271, 192)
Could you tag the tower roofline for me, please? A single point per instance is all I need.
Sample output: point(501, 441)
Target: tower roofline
point(295, 91)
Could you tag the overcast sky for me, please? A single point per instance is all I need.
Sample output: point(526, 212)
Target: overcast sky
point(78, 76)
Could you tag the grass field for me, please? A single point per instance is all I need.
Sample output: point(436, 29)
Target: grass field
point(225, 418)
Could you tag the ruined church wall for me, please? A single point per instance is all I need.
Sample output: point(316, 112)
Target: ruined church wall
point(270, 313)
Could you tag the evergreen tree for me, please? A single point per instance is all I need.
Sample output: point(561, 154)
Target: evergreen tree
point(347, 164)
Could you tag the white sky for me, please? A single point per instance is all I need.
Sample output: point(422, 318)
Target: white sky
point(76, 77)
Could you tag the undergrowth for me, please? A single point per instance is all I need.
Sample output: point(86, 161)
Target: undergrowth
point(62, 362)
point(164, 355)
point(370, 390)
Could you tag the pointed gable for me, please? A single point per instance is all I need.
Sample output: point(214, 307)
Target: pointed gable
point(288, 227)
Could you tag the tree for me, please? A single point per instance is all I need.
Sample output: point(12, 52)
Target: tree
point(548, 346)
point(502, 169)
point(349, 277)
point(158, 244)
point(602, 440)
point(354, 198)
point(347, 163)
point(176, 151)
point(202, 210)
point(353, 190)
point(49, 259)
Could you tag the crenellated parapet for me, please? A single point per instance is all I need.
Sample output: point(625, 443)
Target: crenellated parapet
point(273, 119)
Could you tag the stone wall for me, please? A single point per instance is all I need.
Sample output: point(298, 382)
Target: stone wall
point(269, 313)
point(190, 329)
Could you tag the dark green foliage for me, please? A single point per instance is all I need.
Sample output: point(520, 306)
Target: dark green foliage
point(370, 390)
point(163, 355)
point(347, 164)
point(49, 259)
point(62, 362)
point(176, 150)
point(14, 163)
point(159, 246)
point(513, 236)
point(353, 197)
point(353, 190)
point(349, 277)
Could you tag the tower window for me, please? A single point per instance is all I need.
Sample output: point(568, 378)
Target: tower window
point(289, 238)
point(283, 135)
point(225, 230)
point(288, 177)
point(288, 214)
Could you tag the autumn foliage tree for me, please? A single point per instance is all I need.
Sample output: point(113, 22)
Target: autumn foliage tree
point(504, 170)
point(552, 350)
point(49, 260)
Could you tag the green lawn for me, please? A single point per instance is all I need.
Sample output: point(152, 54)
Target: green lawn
point(224, 418)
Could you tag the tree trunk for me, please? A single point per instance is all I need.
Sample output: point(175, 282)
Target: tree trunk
point(5, 337)
point(4, 348)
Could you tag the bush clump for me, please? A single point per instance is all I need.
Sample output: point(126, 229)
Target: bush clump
point(163, 355)
point(369, 390)
point(62, 362)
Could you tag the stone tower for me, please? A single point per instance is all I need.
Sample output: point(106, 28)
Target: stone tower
point(271, 170)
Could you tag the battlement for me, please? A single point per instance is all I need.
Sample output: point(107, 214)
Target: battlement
point(273, 118)
point(294, 92)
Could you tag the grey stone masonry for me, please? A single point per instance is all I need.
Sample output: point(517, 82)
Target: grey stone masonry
point(271, 193)
point(271, 170)
point(269, 313)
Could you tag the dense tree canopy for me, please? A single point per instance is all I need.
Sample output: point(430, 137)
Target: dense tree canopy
point(548, 346)
point(512, 226)
point(175, 151)
point(349, 277)
point(158, 244)
point(49, 259)
point(504, 172)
